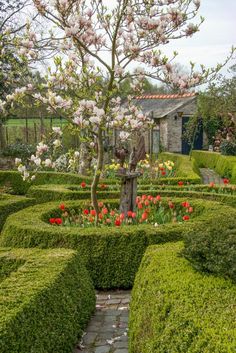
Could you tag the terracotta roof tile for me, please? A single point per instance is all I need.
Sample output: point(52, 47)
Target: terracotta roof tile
point(166, 96)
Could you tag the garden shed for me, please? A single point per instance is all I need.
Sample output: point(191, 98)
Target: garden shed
point(170, 112)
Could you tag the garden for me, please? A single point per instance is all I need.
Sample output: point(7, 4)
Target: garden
point(94, 231)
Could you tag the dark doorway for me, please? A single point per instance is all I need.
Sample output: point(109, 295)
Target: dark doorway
point(198, 141)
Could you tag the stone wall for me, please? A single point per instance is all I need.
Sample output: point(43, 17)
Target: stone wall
point(174, 133)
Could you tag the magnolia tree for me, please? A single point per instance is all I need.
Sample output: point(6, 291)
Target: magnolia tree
point(99, 45)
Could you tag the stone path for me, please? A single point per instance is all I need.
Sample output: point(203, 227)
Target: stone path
point(107, 331)
point(210, 176)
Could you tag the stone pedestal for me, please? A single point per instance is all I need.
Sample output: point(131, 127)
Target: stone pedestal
point(128, 190)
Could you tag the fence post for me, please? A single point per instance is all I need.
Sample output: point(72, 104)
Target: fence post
point(35, 133)
point(26, 127)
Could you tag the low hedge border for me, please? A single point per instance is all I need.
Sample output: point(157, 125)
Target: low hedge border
point(10, 204)
point(175, 309)
point(112, 255)
point(225, 166)
point(46, 193)
point(45, 302)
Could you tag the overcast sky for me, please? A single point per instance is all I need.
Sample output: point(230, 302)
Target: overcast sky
point(215, 38)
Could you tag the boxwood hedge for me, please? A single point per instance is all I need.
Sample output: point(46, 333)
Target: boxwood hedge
point(213, 250)
point(45, 193)
point(223, 165)
point(10, 204)
point(46, 299)
point(175, 309)
point(113, 254)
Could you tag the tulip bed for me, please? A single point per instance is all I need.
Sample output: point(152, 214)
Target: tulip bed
point(36, 315)
point(176, 309)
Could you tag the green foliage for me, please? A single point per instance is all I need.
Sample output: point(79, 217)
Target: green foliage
point(223, 165)
point(46, 300)
point(113, 254)
point(212, 247)
point(10, 204)
point(175, 309)
point(215, 104)
point(228, 148)
point(19, 150)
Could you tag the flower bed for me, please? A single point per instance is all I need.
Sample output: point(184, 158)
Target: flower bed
point(175, 309)
point(111, 254)
point(46, 300)
point(149, 210)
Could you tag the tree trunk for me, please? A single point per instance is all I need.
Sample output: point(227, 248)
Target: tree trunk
point(85, 158)
point(97, 173)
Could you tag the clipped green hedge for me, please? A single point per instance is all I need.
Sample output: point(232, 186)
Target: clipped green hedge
point(111, 254)
point(225, 166)
point(46, 193)
point(211, 247)
point(51, 192)
point(46, 299)
point(185, 166)
point(175, 309)
point(10, 204)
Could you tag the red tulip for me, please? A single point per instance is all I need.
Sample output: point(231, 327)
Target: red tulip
point(144, 216)
point(146, 203)
point(86, 212)
point(186, 218)
point(100, 204)
point(129, 213)
point(180, 183)
point(212, 185)
point(93, 213)
point(105, 210)
point(226, 181)
point(122, 216)
point(62, 207)
point(83, 184)
point(58, 221)
point(117, 222)
point(133, 214)
point(52, 220)
point(140, 205)
point(190, 210)
point(112, 213)
point(171, 205)
point(163, 173)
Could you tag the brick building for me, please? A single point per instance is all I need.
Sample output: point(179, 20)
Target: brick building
point(170, 113)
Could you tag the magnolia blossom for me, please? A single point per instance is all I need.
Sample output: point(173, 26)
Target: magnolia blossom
point(124, 135)
point(18, 161)
point(41, 148)
point(57, 131)
point(48, 163)
point(57, 143)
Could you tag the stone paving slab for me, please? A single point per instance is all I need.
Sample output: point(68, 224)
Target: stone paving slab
point(107, 331)
point(210, 176)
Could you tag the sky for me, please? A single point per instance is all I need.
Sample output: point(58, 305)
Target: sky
point(213, 42)
point(217, 34)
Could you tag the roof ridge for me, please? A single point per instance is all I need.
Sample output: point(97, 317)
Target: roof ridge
point(166, 96)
